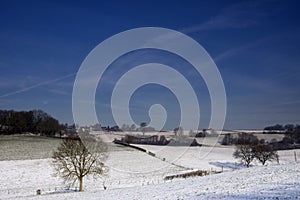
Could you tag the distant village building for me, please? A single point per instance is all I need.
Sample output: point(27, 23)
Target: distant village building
point(139, 139)
point(157, 140)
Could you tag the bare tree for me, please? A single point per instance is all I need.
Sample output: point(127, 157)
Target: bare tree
point(132, 127)
point(245, 148)
point(143, 125)
point(74, 160)
point(244, 152)
point(264, 152)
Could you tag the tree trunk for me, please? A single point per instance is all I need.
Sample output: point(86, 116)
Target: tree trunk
point(80, 183)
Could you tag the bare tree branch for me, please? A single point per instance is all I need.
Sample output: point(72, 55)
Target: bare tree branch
point(74, 159)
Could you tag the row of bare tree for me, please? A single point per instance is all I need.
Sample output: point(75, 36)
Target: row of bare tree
point(34, 121)
point(249, 148)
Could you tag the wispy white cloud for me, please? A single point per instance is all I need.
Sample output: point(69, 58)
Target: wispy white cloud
point(59, 92)
point(239, 15)
point(252, 44)
point(285, 103)
point(28, 88)
point(236, 50)
point(6, 101)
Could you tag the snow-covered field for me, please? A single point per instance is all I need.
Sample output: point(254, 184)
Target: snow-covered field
point(26, 147)
point(273, 182)
point(137, 175)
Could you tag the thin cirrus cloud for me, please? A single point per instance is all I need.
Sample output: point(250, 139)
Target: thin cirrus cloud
point(242, 38)
point(233, 16)
point(240, 15)
point(59, 92)
point(33, 86)
point(237, 50)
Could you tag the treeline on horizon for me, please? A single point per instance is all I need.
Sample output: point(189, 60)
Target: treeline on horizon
point(291, 139)
point(34, 121)
point(279, 127)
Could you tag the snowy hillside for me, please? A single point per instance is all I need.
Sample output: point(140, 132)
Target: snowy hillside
point(137, 175)
point(279, 181)
point(271, 182)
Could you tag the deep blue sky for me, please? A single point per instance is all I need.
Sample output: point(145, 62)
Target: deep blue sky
point(255, 44)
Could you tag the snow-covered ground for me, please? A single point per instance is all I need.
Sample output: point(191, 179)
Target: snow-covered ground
point(204, 158)
point(137, 175)
point(260, 182)
point(128, 168)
